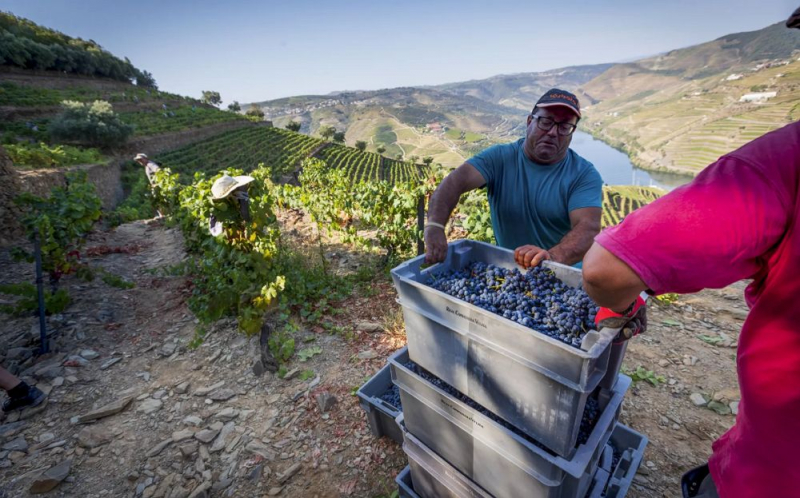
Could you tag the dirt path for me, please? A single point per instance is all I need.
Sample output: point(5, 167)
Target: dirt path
point(201, 422)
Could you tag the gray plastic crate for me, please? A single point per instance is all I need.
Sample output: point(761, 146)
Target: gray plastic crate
point(598, 484)
point(404, 484)
point(381, 415)
point(500, 461)
point(433, 477)
point(632, 445)
point(535, 382)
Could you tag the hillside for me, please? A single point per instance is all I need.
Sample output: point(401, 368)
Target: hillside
point(522, 90)
point(157, 375)
point(405, 121)
point(27, 45)
point(677, 111)
point(683, 110)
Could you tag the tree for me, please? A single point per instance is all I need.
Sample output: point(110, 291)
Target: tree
point(381, 149)
point(294, 125)
point(399, 156)
point(234, 106)
point(338, 137)
point(255, 112)
point(427, 160)
point(211, 97)
point(93, 124)
point(361, 145)
point(414, 159)
point(326, 132)
point(145, 79)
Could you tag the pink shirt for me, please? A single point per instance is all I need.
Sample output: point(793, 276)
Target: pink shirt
point(737, 220)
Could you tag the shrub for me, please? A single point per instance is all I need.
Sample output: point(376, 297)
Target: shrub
point(42, 155)
point(93, 124)
point(61, 222)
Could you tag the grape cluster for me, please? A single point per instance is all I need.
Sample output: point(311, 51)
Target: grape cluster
point(616, 459)
point(535, 299)
point(392, 396)
point(588, 421)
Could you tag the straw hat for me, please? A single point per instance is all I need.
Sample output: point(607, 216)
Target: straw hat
point(140, 156)
point(227, 184)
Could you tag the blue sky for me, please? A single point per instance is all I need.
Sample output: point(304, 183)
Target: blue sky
point(252, 50)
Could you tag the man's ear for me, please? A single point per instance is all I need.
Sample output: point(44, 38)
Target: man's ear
point(530, 118)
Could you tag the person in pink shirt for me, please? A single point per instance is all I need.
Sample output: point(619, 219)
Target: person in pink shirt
point(739, 219)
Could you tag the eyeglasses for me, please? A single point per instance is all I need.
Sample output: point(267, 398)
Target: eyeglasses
point(546, 124)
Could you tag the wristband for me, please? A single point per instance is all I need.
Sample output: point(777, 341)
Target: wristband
point(433, 224)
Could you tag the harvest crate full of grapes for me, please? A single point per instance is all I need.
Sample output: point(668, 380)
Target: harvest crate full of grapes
point(521, 344)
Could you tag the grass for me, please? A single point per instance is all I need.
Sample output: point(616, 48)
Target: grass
point(453, 134)
point(385, 135)
point(473, 137)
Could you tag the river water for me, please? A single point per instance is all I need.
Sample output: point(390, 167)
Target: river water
point(615, 167)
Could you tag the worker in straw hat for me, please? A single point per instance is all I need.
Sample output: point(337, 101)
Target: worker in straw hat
point(150, 167)
point(232, 189)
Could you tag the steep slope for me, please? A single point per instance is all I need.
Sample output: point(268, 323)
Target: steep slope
point(522, 90)
point(406, 122)
point(683, 110)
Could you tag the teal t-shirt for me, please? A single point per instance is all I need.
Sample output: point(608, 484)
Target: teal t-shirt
point(530, 202)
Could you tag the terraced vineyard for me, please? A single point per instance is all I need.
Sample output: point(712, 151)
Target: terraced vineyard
point(621, 200)
point(150, 111)
point(360, 166)
point(282, 150)
point(12, 94)
point(244, 148)
point(399, 171)
point(689, 125)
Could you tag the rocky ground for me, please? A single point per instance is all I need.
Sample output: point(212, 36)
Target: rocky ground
point(135, 411)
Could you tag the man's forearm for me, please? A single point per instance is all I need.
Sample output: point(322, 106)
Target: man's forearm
point(609, 281)
point(443, 201)
point(575, 244)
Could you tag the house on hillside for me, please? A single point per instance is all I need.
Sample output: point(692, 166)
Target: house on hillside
point(757, 97)
point(435, 127)
point(734, 77)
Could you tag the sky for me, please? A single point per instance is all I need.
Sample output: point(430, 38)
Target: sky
point(255, 50)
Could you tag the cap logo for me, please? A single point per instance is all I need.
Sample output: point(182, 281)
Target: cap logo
point(564, 96)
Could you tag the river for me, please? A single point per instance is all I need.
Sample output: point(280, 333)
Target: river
point(615, 167)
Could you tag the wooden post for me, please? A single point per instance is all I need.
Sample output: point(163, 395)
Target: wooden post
point(420, 225)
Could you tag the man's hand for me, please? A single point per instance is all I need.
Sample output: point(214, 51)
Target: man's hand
point(435, 245)
point(530, 256)
point(631, 322)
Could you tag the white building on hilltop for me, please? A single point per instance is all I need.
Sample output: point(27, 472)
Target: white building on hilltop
point(757, 97)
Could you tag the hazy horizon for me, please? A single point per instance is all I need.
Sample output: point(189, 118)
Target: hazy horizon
point(255, 51)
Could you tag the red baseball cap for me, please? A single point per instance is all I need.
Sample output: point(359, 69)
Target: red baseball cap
point(556, 97)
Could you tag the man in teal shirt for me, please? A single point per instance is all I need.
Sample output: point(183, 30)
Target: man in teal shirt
point(545, 199)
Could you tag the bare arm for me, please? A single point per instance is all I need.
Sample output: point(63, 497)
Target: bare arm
point(585, 227)
point(609, 281)
point(443, 201)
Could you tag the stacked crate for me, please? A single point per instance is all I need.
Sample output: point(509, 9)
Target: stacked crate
point(512, 427)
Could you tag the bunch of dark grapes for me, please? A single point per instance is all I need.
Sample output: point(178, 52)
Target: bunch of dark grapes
point(535, 299)
point(392, 396)
point(588, 421)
